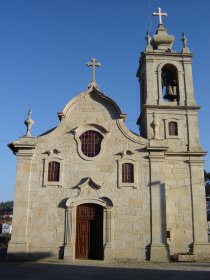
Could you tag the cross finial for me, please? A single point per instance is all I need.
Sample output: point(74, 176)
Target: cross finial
point(94, 64)
point(160, 14)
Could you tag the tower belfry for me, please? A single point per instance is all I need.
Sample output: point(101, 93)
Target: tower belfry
point(166, 88)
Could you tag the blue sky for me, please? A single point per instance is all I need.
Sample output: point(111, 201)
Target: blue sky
point(45, 44)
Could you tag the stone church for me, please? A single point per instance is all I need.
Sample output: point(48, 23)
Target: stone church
point(92, 189)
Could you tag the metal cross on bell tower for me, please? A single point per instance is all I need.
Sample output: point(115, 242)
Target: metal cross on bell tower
point(160, 14)
point(93, 63)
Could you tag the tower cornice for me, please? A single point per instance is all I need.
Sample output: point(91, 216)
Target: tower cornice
point(152, 56)
point(165, 107)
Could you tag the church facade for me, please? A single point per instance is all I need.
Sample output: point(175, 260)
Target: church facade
point(92, 189)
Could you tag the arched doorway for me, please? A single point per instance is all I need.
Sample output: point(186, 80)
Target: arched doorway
point(89, 232)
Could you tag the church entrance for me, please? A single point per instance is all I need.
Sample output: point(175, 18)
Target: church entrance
point(89, 232)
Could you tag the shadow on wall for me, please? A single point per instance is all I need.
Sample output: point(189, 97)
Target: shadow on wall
point(61, 252)
point(3, 253)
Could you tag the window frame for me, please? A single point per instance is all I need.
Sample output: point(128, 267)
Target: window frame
point(120, 163)
point(46, 161)
point(172, 130)
point(167, 135)
point(94, 127)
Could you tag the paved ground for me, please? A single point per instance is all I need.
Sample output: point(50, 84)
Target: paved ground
point(96, 270)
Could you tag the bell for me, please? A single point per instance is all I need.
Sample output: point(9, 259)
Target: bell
point(170, 93)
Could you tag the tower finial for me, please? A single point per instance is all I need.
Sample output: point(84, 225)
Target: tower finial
point(184, 41)
point(29, 122)
point(160, 14)
point(161, 40)
point(148, 38)
point(94, 64)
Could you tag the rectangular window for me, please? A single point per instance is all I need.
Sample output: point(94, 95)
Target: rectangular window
point(173, 129)
point(127, 173)
point(168, 234)
point(53, 171)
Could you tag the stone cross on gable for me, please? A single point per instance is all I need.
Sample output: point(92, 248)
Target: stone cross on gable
point(160, 14)
point(94, 64)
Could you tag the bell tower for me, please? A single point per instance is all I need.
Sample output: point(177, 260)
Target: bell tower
point(168, 107)
point(169, 119)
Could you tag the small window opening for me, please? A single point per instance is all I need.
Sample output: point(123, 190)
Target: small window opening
point(173, 129)
point(127, 173)
point(168, 233)
point(53, 171)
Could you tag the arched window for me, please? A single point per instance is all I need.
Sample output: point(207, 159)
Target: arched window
point(91, 143)
point(173, 129)
point(127, 173)
point(53, 171)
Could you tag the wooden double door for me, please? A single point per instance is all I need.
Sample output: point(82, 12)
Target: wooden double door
point(89, 232)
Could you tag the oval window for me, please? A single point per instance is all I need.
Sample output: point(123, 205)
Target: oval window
point(91, 143)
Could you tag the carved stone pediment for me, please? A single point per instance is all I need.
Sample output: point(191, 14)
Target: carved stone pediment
point(87, 192)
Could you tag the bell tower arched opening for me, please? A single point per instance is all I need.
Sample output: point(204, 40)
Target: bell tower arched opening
point(169, 79)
